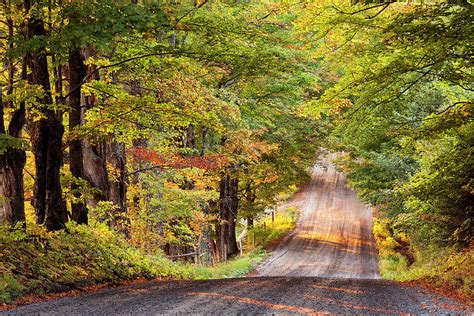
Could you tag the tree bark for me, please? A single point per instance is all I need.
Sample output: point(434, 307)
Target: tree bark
point(12, 162)
point(225, 227)
point(11, 186)
point(232, 248)
point(77, 73)
point(46, 136)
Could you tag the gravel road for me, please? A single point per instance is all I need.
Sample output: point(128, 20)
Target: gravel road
point(333, 237)
point(287, 295)
point(326, 266)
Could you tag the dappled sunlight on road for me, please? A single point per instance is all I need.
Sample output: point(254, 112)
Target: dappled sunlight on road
point(333, 236)
point(252, 301)
point(251, 295)
point(332, 288)
point(351, 305)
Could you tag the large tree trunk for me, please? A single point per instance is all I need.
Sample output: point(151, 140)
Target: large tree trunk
point(46, 137)
point(225, 227)
point(102, 158)
point(112, 186)
point(77, 73)
point(11, 186)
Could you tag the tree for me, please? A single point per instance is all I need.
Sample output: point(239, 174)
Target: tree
point(46, 133)
point(401, 108)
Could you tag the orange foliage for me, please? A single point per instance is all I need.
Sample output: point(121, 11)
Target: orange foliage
point(340, 104)
point(208, 162)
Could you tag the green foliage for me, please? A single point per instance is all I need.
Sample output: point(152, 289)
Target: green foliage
point(7, 141)
point(251, 90)
point(38, 261)
point(400, 106)
point(9, 287)
point(443, 267)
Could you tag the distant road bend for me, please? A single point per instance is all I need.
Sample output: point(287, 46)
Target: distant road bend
point(328, 265)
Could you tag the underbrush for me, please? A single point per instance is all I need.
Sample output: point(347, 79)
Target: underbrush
point(37, 261)
point(446, 269)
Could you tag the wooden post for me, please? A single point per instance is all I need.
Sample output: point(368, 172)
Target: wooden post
point(225, 253)
point(253, 237)
point(240, 244)
point(273, 218)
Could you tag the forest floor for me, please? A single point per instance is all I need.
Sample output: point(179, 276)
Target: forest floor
point(328, 264)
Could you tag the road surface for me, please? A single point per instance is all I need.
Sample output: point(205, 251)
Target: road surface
point(333, 237)
point(326, 266)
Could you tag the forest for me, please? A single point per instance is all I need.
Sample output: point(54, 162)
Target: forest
point(135, 132)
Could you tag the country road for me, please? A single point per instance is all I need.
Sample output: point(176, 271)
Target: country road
point(328, 265)
point(333, 237)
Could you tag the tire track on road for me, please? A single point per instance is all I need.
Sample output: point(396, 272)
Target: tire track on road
point(333, 237)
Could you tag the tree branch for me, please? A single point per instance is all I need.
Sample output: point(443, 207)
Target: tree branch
point(384, 5)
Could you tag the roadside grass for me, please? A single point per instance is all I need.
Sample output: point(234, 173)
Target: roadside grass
point(233, 268)
point(446, 270)
point(36, 261)
point(266, 232)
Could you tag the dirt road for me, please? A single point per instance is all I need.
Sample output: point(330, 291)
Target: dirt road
point(327, 265)
point(333, 237)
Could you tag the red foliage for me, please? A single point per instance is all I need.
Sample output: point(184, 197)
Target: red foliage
point(208, 162)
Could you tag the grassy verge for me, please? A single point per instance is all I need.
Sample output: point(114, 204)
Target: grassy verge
point(447, 270)
point(266, 231)
point(233, 268)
